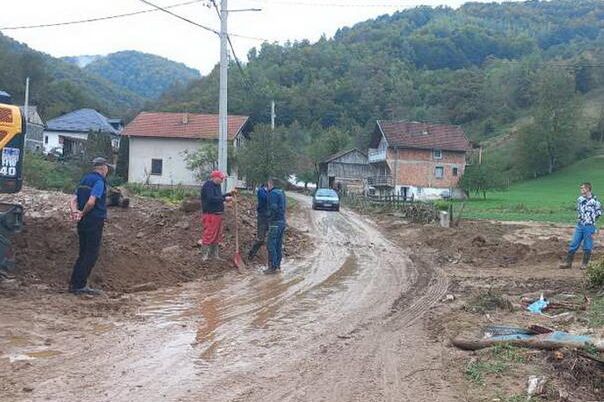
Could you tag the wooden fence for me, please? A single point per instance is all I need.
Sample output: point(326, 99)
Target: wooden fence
point(414, 211)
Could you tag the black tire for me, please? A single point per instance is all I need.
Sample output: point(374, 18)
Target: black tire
point(337, 209)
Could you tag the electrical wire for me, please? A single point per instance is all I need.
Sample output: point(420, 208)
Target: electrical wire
point(56, 24)
point(246, 81)
point(339, 5)
point(180, 17)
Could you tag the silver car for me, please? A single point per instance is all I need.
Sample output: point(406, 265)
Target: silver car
point(326, 198)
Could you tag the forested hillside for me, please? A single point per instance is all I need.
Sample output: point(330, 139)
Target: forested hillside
point(144, 74)
point(57, 86)
point(482, 66)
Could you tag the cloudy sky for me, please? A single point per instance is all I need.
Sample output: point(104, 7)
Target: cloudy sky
point(164, 35)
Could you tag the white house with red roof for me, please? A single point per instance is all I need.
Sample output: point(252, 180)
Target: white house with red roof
point(159, 142)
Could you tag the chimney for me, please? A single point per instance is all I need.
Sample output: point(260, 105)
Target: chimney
point(185, 118)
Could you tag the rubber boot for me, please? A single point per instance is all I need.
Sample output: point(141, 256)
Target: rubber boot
point(215, 252)
point(586, 258)
point(205, 252)
point(568, 262)
point(254, 250)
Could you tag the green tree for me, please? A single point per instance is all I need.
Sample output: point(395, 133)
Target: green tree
point(123, 156)
point(555, 136)
point(479, 179)
point(266, 154)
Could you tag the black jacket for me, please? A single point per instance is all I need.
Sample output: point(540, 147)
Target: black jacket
point(212, 199)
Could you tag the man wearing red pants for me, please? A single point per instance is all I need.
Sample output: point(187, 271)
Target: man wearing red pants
point(212, 207)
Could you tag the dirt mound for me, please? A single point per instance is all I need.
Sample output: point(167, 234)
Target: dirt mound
point(487, 244)
point(148, 242)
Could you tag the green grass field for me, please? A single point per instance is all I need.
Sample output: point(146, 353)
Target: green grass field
point(548, 199)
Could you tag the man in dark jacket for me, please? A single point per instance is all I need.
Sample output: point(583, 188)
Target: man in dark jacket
point(277, 205)
point(89, 210)
point(262, 215)
point(212, 207)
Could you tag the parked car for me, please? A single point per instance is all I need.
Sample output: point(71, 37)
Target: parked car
point(326, 198)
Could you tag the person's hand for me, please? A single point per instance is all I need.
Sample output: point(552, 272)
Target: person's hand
point(76, 216)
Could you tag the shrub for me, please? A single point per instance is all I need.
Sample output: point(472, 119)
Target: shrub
point(595, 274)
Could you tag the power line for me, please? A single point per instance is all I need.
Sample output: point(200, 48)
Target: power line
point(56, 24)
point(244, 75)
point(165, 10)
point(341, 5)
point(199, 25)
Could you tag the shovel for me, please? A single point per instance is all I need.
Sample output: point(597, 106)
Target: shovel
point(237, 260)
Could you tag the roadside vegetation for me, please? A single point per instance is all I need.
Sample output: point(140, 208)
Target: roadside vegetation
point(546, 199)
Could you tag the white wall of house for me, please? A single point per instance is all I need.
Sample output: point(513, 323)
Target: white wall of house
point(429, 193)
point(171, 153)
point(52, 141)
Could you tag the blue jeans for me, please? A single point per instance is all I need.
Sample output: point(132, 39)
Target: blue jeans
point(583, 233)
point(275, 243)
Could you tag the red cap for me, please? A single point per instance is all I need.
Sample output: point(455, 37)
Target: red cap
point(217, 174)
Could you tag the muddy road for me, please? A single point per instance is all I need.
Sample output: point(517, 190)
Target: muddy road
point(340, 324)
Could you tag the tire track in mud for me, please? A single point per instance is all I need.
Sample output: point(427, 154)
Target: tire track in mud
point(340, 325)
point(369, 362)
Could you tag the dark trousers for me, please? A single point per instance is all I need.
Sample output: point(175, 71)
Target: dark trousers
point(90, 234)
point(275, 243)
point(261, 231)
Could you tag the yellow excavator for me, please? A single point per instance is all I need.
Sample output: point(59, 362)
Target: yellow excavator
point(12, 141)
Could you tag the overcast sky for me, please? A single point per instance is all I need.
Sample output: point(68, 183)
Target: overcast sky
point(166, 36)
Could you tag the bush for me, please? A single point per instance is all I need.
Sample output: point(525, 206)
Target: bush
point(442, 205)
point(47, 175)
point(595, 274)
point(172, 194)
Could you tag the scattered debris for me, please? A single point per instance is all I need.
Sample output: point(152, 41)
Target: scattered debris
point(536, 385)
point(538, 306)
point(553, 340)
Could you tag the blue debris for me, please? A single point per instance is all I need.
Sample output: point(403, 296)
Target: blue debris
point(538, 306)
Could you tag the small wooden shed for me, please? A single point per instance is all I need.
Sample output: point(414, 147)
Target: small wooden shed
point(346, 170)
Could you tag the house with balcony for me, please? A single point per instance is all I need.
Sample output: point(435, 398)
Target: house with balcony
point(417, 160)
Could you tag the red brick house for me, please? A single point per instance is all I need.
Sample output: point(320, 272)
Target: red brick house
point(417, 160)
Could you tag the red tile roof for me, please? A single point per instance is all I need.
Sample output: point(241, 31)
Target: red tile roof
point(410, 134)
point(182, 125)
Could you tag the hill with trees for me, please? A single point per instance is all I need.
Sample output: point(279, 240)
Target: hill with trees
point(144, 74)
point(485, 66)
point(57, 86)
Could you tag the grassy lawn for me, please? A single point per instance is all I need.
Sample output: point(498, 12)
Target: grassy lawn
point(548, 199)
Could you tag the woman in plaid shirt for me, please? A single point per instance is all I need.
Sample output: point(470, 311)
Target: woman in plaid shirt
point(589, 210)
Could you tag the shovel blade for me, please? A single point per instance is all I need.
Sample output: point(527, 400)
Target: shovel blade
point(238, 261)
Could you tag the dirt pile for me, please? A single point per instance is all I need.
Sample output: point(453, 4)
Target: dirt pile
point(148, 242)
point(492, 245)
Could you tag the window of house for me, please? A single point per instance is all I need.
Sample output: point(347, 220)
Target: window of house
point(46, 139)
point(454, 171)
point(439, 172)
point(156, 166)
point(438, 154)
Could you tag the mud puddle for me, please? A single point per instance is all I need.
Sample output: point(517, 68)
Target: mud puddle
point(240, 337)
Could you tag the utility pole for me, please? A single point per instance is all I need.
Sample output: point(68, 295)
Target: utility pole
point(222, 104)
point(273, 115)
point(26, 104)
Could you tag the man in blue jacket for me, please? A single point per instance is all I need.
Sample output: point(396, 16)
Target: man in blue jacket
point(89, 210)
point(276, 211)
point(589, 210)
point(262, 215)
